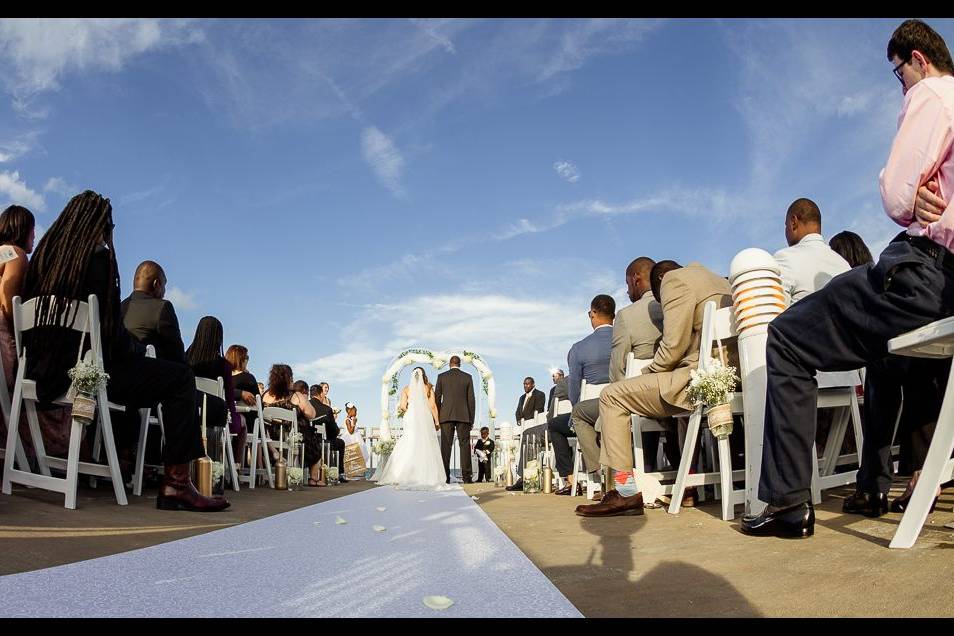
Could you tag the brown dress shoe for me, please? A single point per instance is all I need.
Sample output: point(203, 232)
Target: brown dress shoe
point(690, 499)
point(613, 504)
point(176, 492)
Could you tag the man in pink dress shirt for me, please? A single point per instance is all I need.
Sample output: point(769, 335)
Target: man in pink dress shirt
point(848, 323)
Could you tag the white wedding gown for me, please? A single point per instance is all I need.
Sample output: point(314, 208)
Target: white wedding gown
point(416, 463)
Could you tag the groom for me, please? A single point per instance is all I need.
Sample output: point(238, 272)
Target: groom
point(454, 394)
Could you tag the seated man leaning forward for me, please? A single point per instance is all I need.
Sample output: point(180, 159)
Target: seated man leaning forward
point(660, 391)
point(588, 359)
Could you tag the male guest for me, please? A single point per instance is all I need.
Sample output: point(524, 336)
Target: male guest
point(325, 415)
point(533, 401)
point(807, 264)
point(150, 319)
point(661, 391)
point(588, 359)
point(848, 323)
point(484, 448)
point(454, 395)
point(637, 330)
point(557, 392)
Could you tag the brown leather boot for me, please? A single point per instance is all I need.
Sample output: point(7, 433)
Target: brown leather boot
point(176, 492)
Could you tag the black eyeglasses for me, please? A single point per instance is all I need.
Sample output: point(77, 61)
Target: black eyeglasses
point(897, 71)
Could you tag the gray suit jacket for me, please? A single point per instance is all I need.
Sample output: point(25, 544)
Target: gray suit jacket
point(637, 329)
point(454, 394)
point(557, 392)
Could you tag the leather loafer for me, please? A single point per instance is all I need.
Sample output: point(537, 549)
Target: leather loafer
point(566, 490)
point(613, 504)
point(869, 504)
point(517, 485)
point(900, 504)
point(690, 498)
point(796, 521)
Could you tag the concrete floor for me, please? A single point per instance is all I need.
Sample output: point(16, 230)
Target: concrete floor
point(696, 565)
point(36, 531)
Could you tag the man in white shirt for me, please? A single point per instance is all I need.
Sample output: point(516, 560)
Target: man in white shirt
point(807, 264)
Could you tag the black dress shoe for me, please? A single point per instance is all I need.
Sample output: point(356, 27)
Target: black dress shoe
point(566, 490)
point(869, 504)
point(900, 504)
point(517, 485)
point(796, 521)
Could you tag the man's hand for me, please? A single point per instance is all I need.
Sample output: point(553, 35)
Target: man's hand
point(928, 206)
point(248, 398)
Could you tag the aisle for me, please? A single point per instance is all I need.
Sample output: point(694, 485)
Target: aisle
point(302, 563)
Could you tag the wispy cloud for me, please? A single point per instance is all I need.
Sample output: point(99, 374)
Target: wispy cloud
point(567, 171)
point(588, 38)
point(349, 367)
point(181, 300)
point(15, 190)
point(37, 53)
point(59, 186)
point(433, 29)
point(16, 148)
point(384, 158)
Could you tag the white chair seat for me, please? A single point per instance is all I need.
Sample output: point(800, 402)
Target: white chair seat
point(29, 392)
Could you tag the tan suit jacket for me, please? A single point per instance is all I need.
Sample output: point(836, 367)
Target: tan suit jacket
point(637, 329)
point(684, 294)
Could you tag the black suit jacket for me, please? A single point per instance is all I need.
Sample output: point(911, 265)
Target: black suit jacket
point(454, 395)
point(324, 414)
point(153, 321)
point(537, 404)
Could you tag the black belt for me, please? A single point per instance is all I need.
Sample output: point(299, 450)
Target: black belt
point(938, 253)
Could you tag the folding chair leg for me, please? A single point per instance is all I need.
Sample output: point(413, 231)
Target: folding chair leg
point(639, 465)
point(230, 458)
point(692, 438)
point(141, 451)
point(267, 456)
point(37, 436)
point(856, 425)
point(72, 465)
point(106, 426)
point(13, 442)
point(816, 488)
point(725, 479)
point(937, 468)
point(576, 470)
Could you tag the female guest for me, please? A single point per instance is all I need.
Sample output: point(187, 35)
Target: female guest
point(18, 230)
point(851, 247)
point(206, 359)
point(76, 258)
point(245, 386)
point(281, 394)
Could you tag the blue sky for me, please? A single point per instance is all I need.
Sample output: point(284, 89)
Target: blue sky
point(336, 191)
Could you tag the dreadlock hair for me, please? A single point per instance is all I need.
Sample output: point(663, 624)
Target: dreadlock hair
point(59, 263)
point(16, 223)
point(207, 345)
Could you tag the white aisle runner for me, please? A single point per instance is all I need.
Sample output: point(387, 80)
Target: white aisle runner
point(303, 563)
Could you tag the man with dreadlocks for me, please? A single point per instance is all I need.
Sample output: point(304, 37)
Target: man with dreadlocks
point(74, 259)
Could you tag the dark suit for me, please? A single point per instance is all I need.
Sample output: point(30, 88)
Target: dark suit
point(527, 409)
point(324, 414)
point(454, 395)
point(483, 468)
point(153, 321)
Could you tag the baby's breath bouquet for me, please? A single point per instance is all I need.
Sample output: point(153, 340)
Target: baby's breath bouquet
point(712, 386)
point(384, 447)
point(87, 379)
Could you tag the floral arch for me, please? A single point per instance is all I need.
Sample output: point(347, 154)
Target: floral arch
point(438, 359)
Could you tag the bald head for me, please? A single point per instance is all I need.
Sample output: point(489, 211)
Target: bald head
point(803, 218)
point(637, 277)
point(150, 279)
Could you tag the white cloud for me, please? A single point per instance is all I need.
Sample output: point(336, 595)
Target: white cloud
point(567, 170)
point(349, 367)
point(587, 38)
point(384, 158)
point(15, 190)
point(183, 301)
point(59, 186)
point(16, 148)
point(432, 28)
point(37, 53)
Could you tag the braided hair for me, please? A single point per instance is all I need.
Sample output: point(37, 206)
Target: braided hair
point(206, 347)
point(59, 264)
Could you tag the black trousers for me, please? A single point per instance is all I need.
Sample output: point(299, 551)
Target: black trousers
point(560, 430)
point(846, 325)
point(463, 440)
point(922, 382)
point(144, 382)
point(483, 470)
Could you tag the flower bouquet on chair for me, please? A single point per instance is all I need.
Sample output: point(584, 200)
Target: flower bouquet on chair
point(295, 468)
point(87, 379)
point(712, 385)
point(531, 469)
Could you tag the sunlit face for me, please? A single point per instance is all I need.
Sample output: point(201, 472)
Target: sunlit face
point(527, 385)
point(909, 72)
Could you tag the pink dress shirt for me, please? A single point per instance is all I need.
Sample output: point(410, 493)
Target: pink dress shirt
point(921, 152)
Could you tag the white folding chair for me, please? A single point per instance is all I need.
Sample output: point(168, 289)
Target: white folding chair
point(836, 390)
point(587, 392)
point(216, 388)
point(642, 425)
point(717, 325)
point(277, 414)
point(20, 454)
point(935, 340)
point(83, 318)
point(256, 440)
point(147, 419)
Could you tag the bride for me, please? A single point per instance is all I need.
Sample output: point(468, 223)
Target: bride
point(416, 463)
